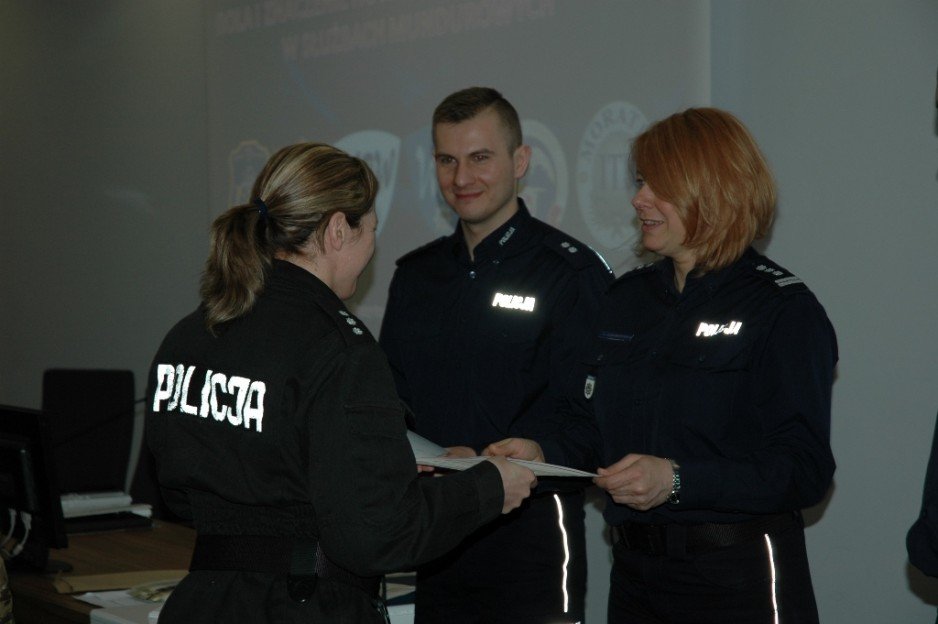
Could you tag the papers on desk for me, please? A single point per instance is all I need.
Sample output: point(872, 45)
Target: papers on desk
point(431, 454)
point(139, 604)
point(91, 512)
point(133, 614)
point(79, 505)
point(74, 583)
point(112, 599)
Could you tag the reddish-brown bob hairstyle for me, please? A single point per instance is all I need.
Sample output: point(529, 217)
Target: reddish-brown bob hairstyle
point(705, 162)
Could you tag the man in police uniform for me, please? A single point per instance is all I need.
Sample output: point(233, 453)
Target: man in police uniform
point(481, 329)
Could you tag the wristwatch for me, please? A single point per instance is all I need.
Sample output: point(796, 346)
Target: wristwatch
point(675, 496)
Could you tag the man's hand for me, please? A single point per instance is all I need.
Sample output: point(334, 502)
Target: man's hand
point(517, 448)
point(517, 482)
point(639, 481)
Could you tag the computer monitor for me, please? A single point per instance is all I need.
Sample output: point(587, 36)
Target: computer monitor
point(30, 506)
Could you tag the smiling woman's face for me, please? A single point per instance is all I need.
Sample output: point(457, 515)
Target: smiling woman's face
point(663, 232)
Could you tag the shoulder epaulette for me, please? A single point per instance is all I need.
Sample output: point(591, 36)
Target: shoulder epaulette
point(779, 278)
point(419, 251)
point(576, 253)
point(349, 326)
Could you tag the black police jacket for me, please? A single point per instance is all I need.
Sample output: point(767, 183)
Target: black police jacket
point(731, 378)
point(481, 349)
point(287, 424)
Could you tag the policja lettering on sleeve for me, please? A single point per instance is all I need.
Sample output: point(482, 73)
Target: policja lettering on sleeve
point(236, 400)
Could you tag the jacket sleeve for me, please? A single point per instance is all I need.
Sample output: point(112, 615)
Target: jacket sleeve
point(392, 338)
point(791, 385)
point(571, 436)
point(155, 436)
point(374, 513)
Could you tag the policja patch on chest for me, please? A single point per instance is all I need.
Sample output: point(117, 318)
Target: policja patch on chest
point(708, 330)
point(513, 302)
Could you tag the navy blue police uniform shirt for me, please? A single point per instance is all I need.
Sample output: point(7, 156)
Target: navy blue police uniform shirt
point(481, 349)
point(731, 377)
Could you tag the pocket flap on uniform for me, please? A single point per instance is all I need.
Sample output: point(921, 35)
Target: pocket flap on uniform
point(614, 351)
point(724, 353)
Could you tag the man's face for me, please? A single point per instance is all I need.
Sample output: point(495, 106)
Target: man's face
point(476, 171)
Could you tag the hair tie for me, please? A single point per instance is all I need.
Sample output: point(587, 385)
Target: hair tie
point(261, 208)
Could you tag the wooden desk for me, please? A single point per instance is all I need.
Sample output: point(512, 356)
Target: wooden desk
point(164, 547)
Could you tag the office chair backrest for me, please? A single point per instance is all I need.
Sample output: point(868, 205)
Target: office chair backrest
point(91, 416)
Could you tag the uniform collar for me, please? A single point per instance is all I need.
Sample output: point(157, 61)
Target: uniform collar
point(508, 238)
point(708, 283)
point(289, 277)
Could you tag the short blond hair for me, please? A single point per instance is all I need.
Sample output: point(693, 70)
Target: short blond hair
point(468, 103)
point(706, 163)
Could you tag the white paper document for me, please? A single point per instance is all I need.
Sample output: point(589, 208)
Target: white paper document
point(431, 454)
point(110, 599)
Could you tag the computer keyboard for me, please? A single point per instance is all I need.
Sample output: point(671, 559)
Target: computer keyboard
point(87, 503)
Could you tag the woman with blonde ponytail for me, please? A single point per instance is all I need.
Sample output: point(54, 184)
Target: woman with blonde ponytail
point(288, 206)
point(275, 424)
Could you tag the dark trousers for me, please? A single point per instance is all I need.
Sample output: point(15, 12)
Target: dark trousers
point(521, 569)
point(758, 582)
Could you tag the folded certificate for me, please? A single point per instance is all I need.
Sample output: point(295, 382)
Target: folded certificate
point(430, 454)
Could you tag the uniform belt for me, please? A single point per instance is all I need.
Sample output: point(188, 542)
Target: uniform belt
point(304, 561)
point(677, 539)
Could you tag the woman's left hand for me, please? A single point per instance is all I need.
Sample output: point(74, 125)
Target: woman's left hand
point(639, 481)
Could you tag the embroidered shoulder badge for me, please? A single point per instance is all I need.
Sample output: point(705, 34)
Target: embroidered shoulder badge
point(589, 387)
point(782, 278)
point(352, 322)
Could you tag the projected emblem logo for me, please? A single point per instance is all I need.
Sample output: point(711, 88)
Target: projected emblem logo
point(244, 163)
point(381, 150)
point(431, 206)
point(546, 185)
point(604, 182)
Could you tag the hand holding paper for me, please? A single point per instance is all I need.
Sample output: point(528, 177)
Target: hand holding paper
point(516, 448)
point(429, 453)
point(460, 451)
point(517, 482)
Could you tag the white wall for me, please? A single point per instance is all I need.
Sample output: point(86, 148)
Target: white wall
point(110, 109)
point(103, 208)
point(841, 97)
